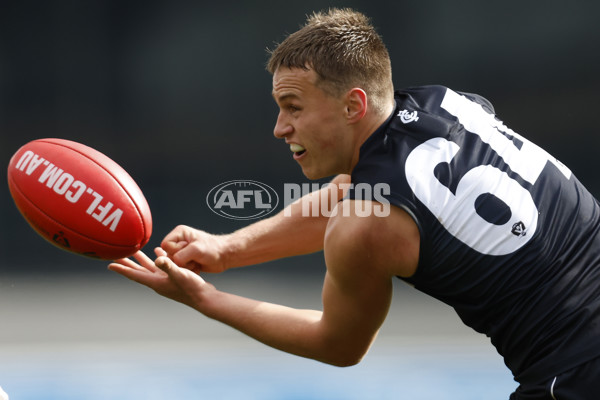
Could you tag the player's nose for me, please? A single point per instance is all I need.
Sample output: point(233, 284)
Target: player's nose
point(282, 127)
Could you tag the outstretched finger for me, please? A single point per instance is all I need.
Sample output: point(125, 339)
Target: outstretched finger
point(145, 261)
point(165, 264)
point(191, 265)
point(160, 252)
point(128, 263)
point(176, 274)
point(136, 274)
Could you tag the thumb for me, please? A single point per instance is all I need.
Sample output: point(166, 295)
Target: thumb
point(172, 247)
point(186, 256)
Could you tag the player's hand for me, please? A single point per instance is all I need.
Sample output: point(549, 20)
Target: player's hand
point(164, 277)
point(196, 250)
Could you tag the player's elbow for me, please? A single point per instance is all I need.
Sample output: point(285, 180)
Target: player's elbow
point(344, 357)
point(341, 349)
point(346, 360)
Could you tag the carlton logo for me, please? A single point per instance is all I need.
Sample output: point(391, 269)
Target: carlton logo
point(242, 200)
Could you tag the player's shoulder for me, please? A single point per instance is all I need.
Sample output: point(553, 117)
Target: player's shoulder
point(431, 96)
point(374, 233)
point(420, 94)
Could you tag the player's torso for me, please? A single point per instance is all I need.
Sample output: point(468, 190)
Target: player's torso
point(496, 213)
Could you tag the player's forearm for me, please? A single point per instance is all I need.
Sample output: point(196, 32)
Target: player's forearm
point(294, 331)
point(277, 237)
point(298, 229)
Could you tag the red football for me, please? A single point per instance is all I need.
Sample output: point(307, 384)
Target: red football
point(79, 199)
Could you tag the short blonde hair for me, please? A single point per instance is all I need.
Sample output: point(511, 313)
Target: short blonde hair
point(344, 50)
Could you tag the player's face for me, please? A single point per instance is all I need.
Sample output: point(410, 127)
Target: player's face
point(312, 122)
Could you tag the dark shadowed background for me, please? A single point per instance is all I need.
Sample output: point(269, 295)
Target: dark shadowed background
point(177, 93)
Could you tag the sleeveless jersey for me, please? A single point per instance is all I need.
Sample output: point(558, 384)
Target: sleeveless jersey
point(509, 237)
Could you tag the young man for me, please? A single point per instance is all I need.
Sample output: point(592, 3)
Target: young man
point(480, 218)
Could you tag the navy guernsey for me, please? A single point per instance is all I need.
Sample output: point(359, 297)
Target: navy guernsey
point(509, 237)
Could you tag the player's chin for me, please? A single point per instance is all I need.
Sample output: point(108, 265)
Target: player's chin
point(309, 171)
point(313, 173)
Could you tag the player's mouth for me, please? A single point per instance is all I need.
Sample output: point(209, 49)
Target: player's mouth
point(298, 150)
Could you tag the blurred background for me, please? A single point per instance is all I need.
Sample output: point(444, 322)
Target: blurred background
point(177, 93)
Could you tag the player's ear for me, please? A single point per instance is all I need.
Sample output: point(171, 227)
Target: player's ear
point(356, 104)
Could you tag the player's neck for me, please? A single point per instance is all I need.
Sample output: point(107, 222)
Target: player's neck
point(369, 125)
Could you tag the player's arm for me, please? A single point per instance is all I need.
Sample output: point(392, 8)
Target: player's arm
point(362, 256)
point(356, 296)
point(289, 233)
